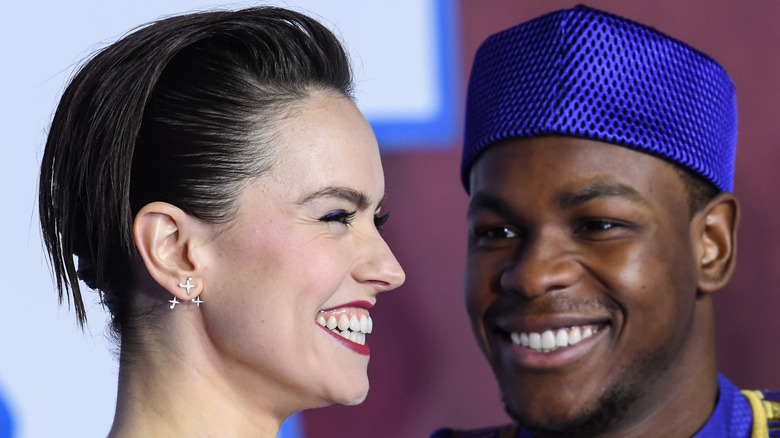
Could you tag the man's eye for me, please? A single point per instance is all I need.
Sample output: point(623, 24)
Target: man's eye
point(604, 229)
point(598, 225)
point(492, 237)
point(494, 234)
point(499, 233)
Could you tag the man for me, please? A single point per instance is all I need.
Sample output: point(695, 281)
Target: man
point(599, 158)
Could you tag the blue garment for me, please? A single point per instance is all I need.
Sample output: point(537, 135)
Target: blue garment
point(732, 418)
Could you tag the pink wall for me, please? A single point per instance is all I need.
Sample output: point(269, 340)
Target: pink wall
point(426, 370)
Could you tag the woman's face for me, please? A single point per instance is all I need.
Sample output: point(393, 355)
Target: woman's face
point(303, 251)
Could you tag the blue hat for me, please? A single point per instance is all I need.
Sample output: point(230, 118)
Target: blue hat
point(585, 73)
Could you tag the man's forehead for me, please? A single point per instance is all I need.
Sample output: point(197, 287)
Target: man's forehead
point(574, 169)
point(529, 154)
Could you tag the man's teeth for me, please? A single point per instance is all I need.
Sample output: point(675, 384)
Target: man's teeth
point(551, 340)
point(353, 328)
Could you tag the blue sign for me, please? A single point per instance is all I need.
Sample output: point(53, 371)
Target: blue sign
point(438, 128)
point(291, 428)
point(6, 419)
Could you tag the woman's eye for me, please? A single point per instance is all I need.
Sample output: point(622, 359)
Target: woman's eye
point(379, 221)
point(341, 216)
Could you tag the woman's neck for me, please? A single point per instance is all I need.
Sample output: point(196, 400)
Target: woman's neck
point(177, 387)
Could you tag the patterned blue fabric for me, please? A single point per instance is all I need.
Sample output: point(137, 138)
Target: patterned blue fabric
point(773, 423)
point(732, 417)
point(585, 73)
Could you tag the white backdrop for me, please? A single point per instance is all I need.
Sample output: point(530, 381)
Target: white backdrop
point(55, 379)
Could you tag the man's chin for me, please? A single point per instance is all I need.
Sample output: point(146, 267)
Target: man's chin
point(573, 418)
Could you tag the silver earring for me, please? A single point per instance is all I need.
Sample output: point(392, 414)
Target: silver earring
point(173, 302)
point(188, 285)
point(197, 301)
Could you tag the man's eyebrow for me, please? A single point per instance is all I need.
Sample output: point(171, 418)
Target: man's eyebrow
point(496, 204)
point(485, 201)
point(599, 190)
point(356, 197)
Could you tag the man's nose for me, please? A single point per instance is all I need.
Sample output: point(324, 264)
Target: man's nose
point(547, 262)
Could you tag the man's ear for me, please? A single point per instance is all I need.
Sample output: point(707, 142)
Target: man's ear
point(166, 238)
point(716, 240)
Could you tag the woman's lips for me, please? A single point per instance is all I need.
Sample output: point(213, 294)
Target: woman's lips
point(349, 325)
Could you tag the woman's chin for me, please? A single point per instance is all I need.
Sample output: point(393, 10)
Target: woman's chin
point(356, 400)
point(346, 394)
point(356, 395)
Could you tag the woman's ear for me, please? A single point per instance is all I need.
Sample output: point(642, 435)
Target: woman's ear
point(166, 238)
point(716, 240)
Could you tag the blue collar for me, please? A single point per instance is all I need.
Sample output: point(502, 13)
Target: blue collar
point(732, 417)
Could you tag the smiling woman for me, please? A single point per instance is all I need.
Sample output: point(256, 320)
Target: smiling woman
point(222, 192)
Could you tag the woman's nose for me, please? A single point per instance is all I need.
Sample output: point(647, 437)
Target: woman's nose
point(381, 267)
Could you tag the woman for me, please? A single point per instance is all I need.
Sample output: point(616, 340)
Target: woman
point(221, 190)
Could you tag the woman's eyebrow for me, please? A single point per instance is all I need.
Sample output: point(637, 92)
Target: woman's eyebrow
point(356, 197)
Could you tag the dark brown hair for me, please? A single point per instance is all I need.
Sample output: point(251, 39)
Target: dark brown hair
point(183, 111)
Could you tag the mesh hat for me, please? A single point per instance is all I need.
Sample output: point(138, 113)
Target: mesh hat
point(585, 73)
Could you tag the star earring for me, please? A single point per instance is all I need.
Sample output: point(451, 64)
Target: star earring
point(188, 285)
point(197, 301)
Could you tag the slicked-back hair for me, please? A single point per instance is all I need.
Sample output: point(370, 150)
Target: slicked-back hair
point(183, 110)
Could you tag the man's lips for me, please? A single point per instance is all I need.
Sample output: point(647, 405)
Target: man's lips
point(548, 343)
point(552, 339)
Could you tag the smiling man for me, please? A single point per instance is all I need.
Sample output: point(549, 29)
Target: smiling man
point(599, 157)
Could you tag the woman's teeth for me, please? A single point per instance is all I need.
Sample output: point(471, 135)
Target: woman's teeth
point(551, 340)
point(353, 328)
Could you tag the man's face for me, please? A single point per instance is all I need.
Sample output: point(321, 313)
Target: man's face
point(581, 280)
